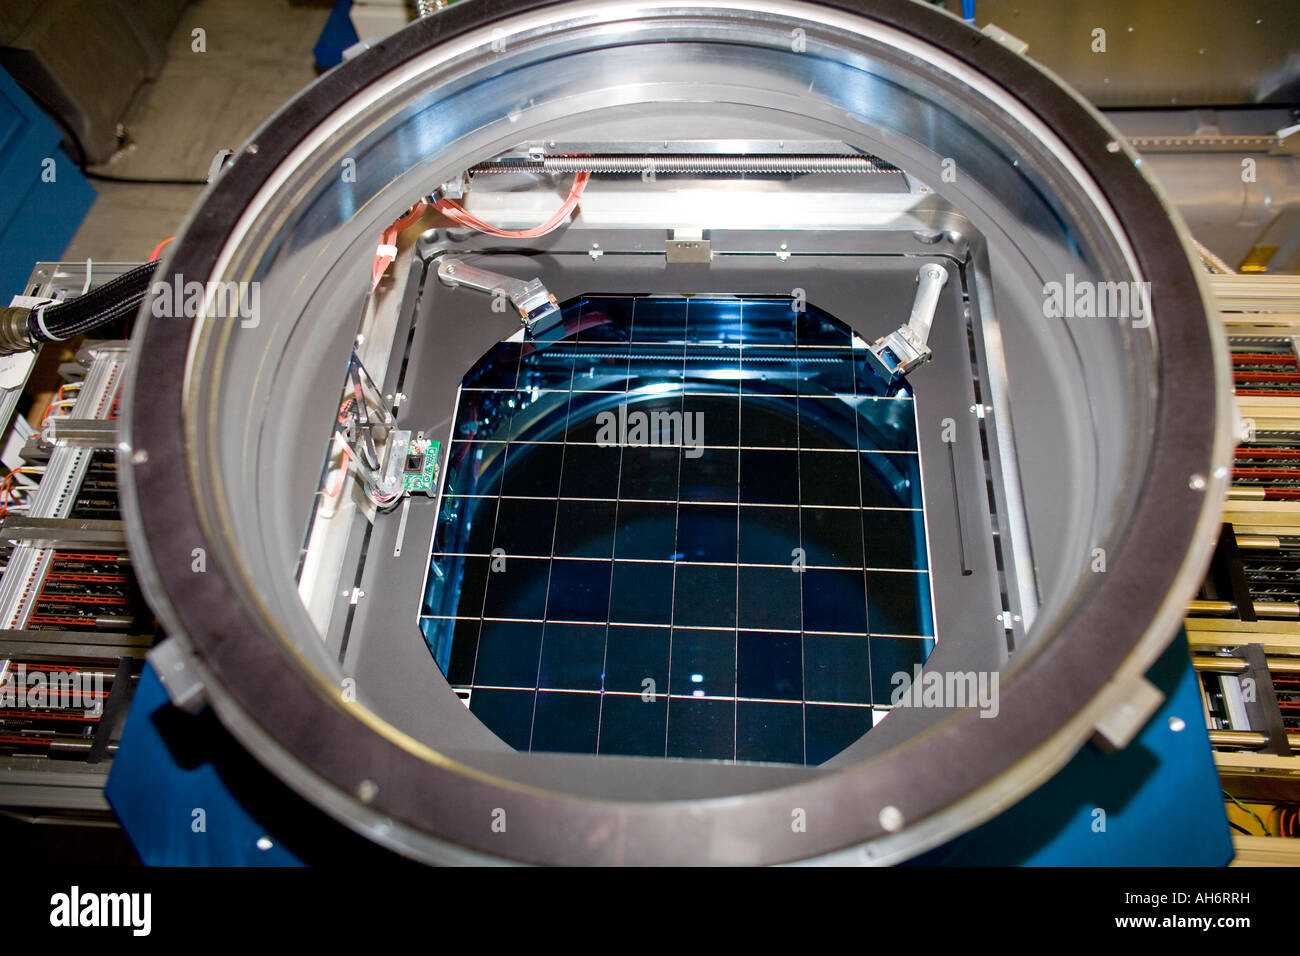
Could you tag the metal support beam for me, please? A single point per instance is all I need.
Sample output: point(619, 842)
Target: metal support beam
point(70, 533)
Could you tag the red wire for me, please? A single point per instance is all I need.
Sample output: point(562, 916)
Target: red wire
point(347, 452)
point(157, 250)
point(459, 214)
point(344, 473)
point(384, 259)
point(6, 489)
point(409, 219)
point(49, 409)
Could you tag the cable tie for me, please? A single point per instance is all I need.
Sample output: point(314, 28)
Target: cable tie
point(39, 312)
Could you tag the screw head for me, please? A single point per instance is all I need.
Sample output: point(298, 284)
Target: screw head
point(891, 818)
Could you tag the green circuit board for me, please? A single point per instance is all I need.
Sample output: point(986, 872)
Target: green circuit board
point(421, 472)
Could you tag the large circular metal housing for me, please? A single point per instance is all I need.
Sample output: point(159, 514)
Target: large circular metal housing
point(1131, 446)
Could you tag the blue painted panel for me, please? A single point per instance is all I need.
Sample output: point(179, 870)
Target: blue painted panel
point(336, 37)
point(1160, 798)
point(37, 218)
point(156, 787)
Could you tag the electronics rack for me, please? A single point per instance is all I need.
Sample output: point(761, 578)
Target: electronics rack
point(1244, 627)
point(74, 629)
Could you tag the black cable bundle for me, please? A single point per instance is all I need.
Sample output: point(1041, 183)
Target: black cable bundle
point(113, 300)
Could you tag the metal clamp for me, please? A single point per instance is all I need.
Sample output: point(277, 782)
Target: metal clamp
point(81, 432)
point(905, 349)
point(390, 476)
point(538, 309)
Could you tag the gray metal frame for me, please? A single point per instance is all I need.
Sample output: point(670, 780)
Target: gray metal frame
point(450, 329)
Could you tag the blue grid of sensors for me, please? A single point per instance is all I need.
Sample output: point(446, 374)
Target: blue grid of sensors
point(739, 583)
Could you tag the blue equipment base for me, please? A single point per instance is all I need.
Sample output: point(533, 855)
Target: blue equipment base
point(1160, 797)
point(169, 795)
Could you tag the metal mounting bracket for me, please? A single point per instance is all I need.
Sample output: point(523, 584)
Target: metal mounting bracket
point(905, 349)
point(538, 309)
